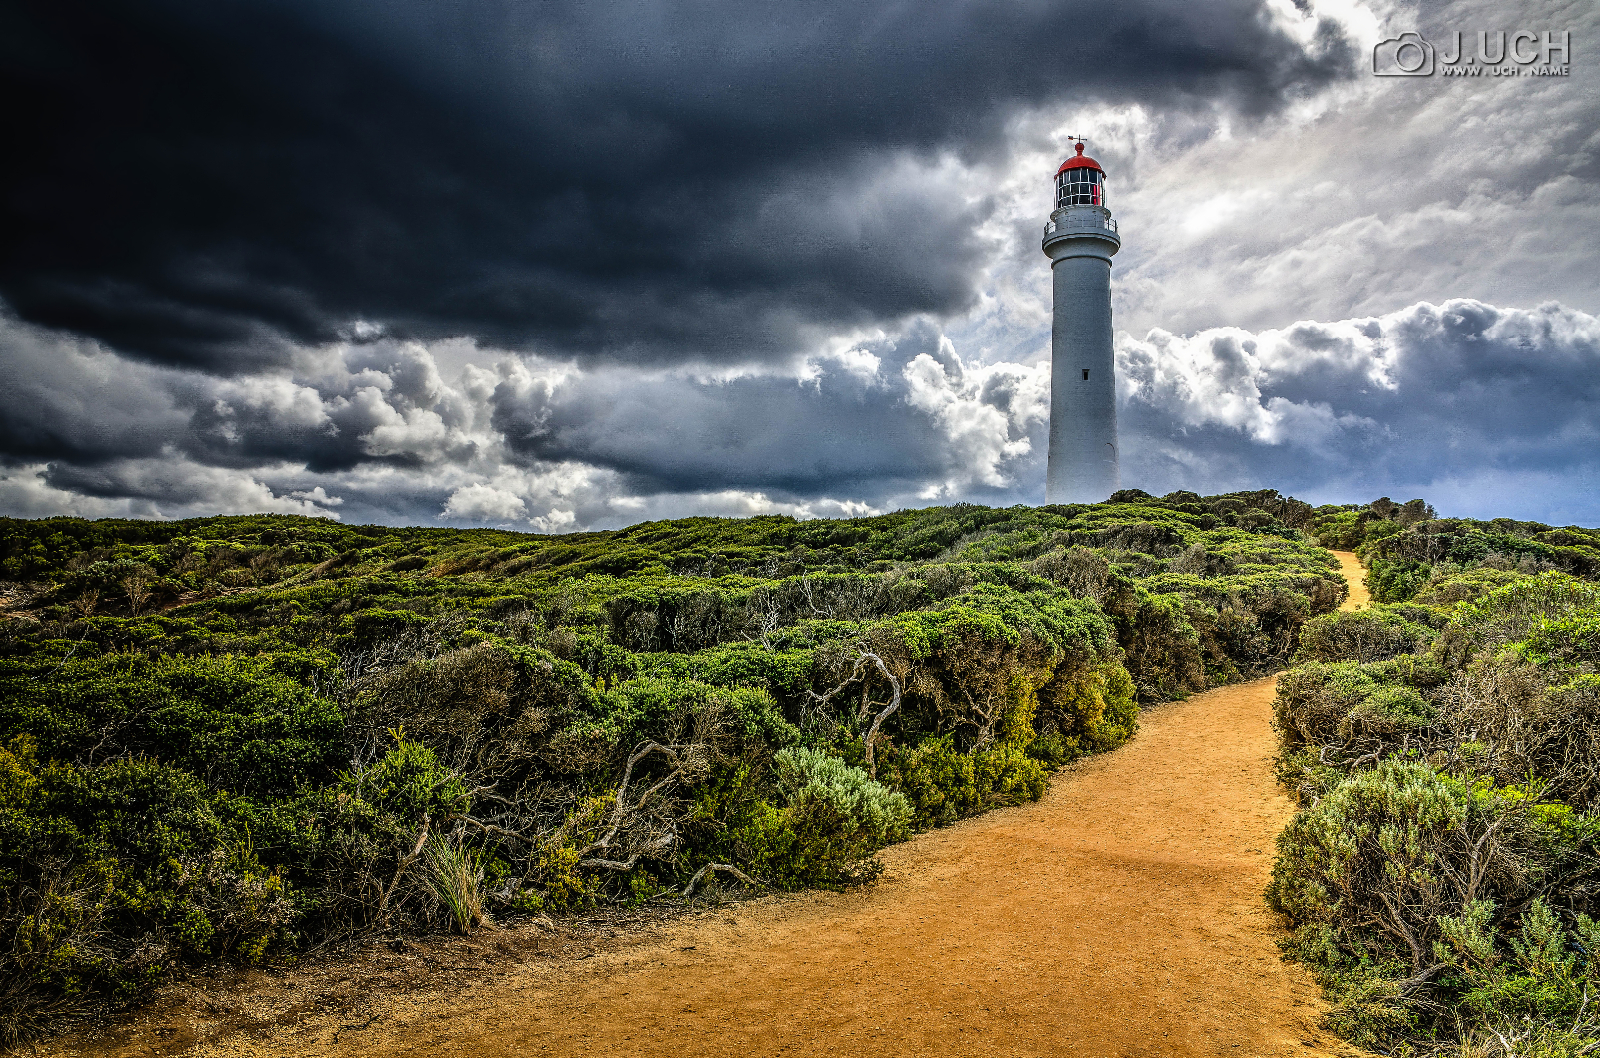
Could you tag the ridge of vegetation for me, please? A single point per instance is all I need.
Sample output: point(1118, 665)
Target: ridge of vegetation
point(1441, 873)
point(1405, 548)
point(241, 738)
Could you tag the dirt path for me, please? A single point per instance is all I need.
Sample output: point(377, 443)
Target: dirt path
point(1350, 566)
point(1119, 916)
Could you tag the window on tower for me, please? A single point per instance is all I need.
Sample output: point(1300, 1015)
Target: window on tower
point(1080, 187)
point(1086, 374)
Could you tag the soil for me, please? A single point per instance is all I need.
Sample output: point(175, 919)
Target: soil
point(1119, 916)
point(1350, 566)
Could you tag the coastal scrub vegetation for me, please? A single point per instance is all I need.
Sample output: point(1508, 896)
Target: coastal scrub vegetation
point(1407, 551)
point(1441, 873)
point(243, 737)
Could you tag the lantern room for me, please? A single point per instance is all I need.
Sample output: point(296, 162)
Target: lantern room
point(1080, 182)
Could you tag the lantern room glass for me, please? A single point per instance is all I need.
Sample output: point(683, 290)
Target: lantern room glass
point(1080, 187)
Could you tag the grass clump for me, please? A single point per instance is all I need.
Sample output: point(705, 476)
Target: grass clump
point(454, 874)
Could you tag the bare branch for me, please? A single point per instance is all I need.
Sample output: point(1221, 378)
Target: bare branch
point(857, 671)
point(490, 828)
point(887, 711)
point(405, 862)
point(728, 868)
point(620, 810)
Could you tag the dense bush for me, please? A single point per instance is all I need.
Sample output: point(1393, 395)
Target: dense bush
point(1417, 560)
point(1441, 874)
point(232, 737)
point(864, 805)
point(1346, 527)
point(1374, 634)
point(115, 872)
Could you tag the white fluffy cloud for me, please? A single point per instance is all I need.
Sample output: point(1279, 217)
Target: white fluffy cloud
point(484, 503)
point(166, 487)
point(1421, 400)
point(376, 430)
point(1481, 409)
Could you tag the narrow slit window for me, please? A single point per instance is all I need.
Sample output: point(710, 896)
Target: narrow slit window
point(1086, 374)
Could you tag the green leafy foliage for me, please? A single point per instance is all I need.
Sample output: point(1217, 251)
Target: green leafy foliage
point(1374, 634)
point(1440, 875)
point(1405, 564)
point(946, 784)
point(235, 722)
point(880, 814)
point(1347, 527)
point(115, 872)
point(232, 737)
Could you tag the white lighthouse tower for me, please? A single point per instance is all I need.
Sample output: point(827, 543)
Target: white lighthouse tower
point(1080, 239)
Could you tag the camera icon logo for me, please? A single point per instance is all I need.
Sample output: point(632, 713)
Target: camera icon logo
point(1407, 55)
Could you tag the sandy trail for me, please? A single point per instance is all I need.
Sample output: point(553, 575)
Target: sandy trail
point(1119, 916)
point(1350, 566)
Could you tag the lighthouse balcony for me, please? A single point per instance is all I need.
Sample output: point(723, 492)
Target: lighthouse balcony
point(1081, 231)
point(1081, 220)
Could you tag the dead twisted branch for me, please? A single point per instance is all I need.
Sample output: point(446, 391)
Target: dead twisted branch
point(628, 816)
point(864, 661)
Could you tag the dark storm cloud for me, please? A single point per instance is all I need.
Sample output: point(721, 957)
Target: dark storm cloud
point(1483, 409)
point(64, 399)
point(210, 185)
point(840, 431)
point(73, 402)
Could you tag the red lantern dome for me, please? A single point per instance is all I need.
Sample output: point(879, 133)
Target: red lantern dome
point(1080, 182)
point(1079, 161)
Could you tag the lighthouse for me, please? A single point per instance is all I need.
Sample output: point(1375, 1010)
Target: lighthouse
point(1080, 240)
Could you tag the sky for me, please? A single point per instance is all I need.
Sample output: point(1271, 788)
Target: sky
point(554, 265)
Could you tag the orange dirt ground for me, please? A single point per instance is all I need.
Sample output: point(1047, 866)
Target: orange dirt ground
point(1119, 916)
point(1350, 566)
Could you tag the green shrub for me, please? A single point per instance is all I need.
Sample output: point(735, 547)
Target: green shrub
point(1395, 581)
point(250, 734)
point(234, 721)
point(864, 805)
point(1375, 634)
point(1439, 874)
point(1313, 700)
point(1447, 586)
point(809, 843)
point(817, 824)
point(944, 784)
point(1509, 613)
point(1544, 973)
point(1084, 711)
point(114, 874)
point(1387, 848)
point(1565, 641)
